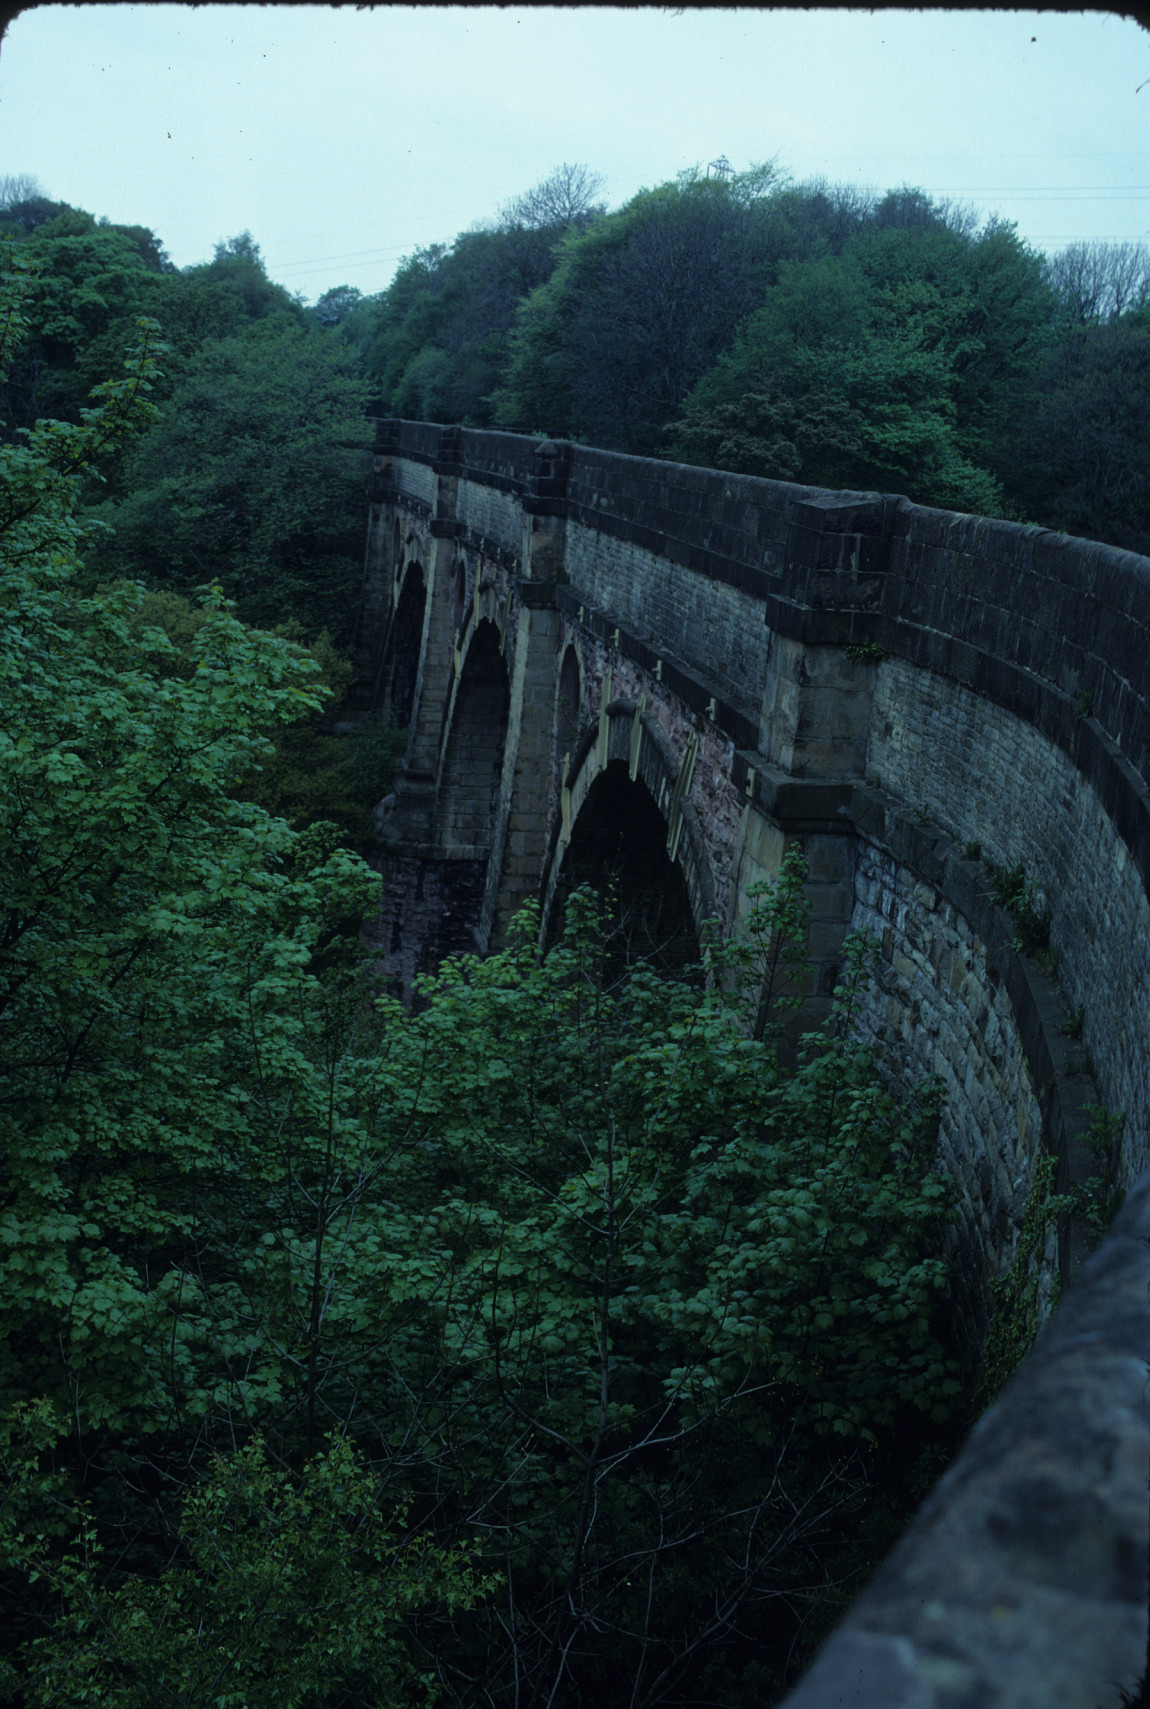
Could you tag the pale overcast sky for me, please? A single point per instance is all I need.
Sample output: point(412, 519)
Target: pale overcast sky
point(342, 139)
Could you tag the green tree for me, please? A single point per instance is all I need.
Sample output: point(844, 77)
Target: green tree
point(1076, 457)
point(282, 1591)
point(336, 304)
point(637, 311)
point(143, 909)
point(895, 364)
point(1080, 452)
point(612, 1287)
point(253, 477)
point(89, 283)
point(441, 331)
point(980, 299)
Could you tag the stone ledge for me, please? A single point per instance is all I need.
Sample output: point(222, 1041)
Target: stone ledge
point(537, 595)
point(800, 803)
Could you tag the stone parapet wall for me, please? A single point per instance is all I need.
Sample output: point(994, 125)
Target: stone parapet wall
point(416, 480)
point(713, 626)
point(1073, 613)
point(506, 459)
point(717, 524)
point(491, 515)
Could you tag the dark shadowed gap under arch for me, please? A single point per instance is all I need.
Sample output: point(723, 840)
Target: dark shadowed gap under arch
point(402, 665)
point(473, 763)
point(619, 847)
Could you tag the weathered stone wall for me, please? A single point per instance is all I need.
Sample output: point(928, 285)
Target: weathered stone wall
point(937, 1009)
point(714, 795)
point(988, 777)
point(491, 515)
point(711, 625)
point(417, 481)
point(1009, 610)
point(473, 756)
point(427, 905)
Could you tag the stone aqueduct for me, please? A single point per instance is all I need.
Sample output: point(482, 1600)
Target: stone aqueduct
point(607, 662)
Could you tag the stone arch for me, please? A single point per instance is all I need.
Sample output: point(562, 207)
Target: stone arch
point(401, 661)
point(459, 598)
point(568, 702)
point(472, 765)
point(626, 820)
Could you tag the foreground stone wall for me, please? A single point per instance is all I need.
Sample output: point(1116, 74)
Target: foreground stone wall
point(1022, 1582)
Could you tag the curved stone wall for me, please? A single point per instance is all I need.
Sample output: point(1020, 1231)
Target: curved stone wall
point(988, 777)
point(937, 1009)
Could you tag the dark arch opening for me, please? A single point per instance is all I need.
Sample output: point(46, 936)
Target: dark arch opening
point(473, 763)
point(402, 665)
point(567, 714)
point(619, 847)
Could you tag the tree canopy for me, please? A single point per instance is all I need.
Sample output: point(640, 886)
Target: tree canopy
point(895, 365)
point(253, 476)
point(637, 311)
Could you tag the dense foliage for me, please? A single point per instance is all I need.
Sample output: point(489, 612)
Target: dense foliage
point(896, 365)
point(566, 1339)
point(252, 473)
point(556, 1334)
point(435, 342)
point(803, 331)
point(249, 478)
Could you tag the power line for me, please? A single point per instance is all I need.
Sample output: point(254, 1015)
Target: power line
point(1103, 192)
point(1054, 196)
point(348, 255)
point(306, 266)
